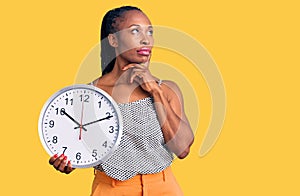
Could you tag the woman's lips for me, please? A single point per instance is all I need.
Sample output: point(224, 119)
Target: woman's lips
point(144, 51)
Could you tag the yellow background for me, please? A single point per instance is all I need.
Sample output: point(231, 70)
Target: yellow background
point(255, 44)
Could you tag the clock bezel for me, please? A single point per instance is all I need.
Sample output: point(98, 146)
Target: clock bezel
point(87, 87)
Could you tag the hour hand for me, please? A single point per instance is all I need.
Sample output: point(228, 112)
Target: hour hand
point(70, 117)
point(105, 118)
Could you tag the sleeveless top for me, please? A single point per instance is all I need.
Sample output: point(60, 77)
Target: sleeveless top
point(142, 148)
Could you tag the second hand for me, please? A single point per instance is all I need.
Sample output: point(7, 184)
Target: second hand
point(81, 120)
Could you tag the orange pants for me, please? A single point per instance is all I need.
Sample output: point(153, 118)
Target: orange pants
point(159, 184)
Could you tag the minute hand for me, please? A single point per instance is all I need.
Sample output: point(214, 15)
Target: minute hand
point(105, 118)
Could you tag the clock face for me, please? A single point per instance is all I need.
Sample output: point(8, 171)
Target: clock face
point(82, 122)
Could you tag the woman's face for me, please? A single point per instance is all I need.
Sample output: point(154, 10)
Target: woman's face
point(134, 37)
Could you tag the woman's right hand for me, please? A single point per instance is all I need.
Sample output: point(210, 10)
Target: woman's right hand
point(61, 164)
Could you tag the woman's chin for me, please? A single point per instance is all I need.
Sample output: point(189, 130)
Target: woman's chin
point(140, 60)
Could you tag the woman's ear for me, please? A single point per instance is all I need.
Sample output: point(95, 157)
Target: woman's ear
point(112, 39)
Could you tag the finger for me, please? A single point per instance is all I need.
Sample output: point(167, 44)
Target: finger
point(126, 67)
point(63, 164)
point(136, 65)
point(68, 168)
point(136, 74)
point(141, 66)
point(146, 64)
point(58, 161)
point(52, 159)
point(138, 80)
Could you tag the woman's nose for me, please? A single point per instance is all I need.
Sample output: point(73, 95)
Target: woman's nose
point(145, 40)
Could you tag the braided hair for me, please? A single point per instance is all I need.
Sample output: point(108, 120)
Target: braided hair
point(108, 26)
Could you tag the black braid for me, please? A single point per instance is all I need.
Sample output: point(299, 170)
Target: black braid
point(108, 55)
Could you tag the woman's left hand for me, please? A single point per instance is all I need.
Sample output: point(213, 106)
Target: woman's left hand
point(140, 73)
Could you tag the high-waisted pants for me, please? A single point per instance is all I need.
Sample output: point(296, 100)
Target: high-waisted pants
point(159, 184)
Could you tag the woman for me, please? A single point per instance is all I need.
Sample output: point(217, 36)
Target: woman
point(155, 125)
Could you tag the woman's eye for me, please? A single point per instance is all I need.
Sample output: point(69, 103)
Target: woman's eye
point(134, 31)
point(150, 32)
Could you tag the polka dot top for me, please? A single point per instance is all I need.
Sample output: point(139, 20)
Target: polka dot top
point(142, 149)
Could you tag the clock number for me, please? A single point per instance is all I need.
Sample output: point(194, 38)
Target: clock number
point(54, 139)
point(84, 98)
point(99, 104)
point(107, 113)
point(65, 148)
point(94, 153)
point(62, 111)
point(51, 123)
point(105, 144)
point(69, 101)
point(112, 129)
point(78, 156)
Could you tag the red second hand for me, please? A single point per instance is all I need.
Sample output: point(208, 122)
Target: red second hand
point(81, 120)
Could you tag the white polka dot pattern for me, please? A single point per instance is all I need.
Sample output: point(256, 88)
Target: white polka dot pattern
point(142, 149)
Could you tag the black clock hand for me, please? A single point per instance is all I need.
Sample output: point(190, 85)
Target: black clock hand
point(105, 118)
point(70, 117)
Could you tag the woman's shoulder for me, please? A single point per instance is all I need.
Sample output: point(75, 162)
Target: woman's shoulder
point(170, 88)
point(101, 81)
point(169, 85)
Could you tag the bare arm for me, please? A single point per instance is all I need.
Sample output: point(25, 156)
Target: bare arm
point(176, 129)
point(168, 99)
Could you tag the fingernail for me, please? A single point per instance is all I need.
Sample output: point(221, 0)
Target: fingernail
point(65, 158)
point(55, 156)
point(69, 162)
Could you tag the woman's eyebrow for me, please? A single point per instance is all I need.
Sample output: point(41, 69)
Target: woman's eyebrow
point(136, 25)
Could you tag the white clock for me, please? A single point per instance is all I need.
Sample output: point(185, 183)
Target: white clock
point(82, 122)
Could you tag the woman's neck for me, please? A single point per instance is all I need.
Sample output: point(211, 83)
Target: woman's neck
point(119, 76)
